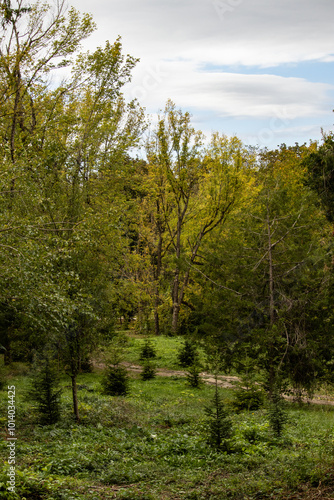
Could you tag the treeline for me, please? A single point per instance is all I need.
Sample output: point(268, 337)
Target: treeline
point(205, 237)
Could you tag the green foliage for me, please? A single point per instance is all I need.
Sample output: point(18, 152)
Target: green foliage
point(147, 350)
point(187, 355)
point(3, 380)
point(249, 399)
point(148, 372)
point(115, 381)
point(193, 376)
point(44, 390)
point(127, 443)
point(218, 422)
point(320, 165)
point(276, 412)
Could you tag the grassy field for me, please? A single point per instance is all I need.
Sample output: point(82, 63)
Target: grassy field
point(152, 444)
point(166, 348)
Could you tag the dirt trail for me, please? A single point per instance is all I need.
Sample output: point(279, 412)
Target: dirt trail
point(225, 381)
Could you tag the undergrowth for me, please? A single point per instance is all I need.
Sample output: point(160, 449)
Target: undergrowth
point(152, 444)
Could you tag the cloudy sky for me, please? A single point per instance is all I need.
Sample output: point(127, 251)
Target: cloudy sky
point(260, 69)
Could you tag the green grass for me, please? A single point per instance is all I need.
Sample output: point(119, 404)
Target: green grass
point(167, 349)
point(152, 445)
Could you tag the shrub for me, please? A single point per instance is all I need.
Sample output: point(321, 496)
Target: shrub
point(248, 399)
point(115, 381)
point(187, 355)
point(3, 383)
point(86, 365)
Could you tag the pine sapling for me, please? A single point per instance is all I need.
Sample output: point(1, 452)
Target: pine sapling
point(115, 381)
point(148, 371)
point(219, 424)
point(277, 412)
point(193, 376)
point(187, 355)
point(45, 392)
point(147, 350)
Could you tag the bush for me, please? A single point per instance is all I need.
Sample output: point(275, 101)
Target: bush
point(45, 392)
point(115, 381)
point(248, 399)
point(187, 355)
point(148, 371)
point(147, 351)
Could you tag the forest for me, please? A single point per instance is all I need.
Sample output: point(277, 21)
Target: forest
point(125, 240)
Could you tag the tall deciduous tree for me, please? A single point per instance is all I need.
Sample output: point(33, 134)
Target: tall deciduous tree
point(196, 189)
point(63, 147)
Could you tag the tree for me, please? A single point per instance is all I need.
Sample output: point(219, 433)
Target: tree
point(264, 279)
point(320, 166)
point(196, 190)
point(63, 147)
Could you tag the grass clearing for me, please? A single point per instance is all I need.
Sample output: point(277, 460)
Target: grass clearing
point(152, 445)
point(167, 349)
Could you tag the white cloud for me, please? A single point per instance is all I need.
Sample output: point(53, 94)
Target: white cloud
point(227, 94)
point(178, 40)
point(247, 32)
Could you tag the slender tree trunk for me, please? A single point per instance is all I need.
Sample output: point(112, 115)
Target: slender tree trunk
point(176, 283)
point(75, 397)
point(7, 358)
point(272, 372)
point(157, 284)
point(271, 275)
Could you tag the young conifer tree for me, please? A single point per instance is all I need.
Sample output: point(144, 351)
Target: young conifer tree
point(44, 390)
point(219, 424)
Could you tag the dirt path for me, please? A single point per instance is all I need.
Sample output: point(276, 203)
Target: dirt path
point(225, 381)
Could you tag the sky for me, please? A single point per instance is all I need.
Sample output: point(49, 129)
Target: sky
point(259, 69)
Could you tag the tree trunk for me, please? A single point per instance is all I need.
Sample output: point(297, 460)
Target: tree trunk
point(157, 278)
point(75, 397)
point(271, 275)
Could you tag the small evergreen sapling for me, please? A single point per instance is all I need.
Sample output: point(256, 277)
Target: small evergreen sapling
point(187, 355)
point(277, 412)
point(193, 376)
point(147, 350)
point(219, 424)
point(115, 381)
point(148, 371)
point(45, 392)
